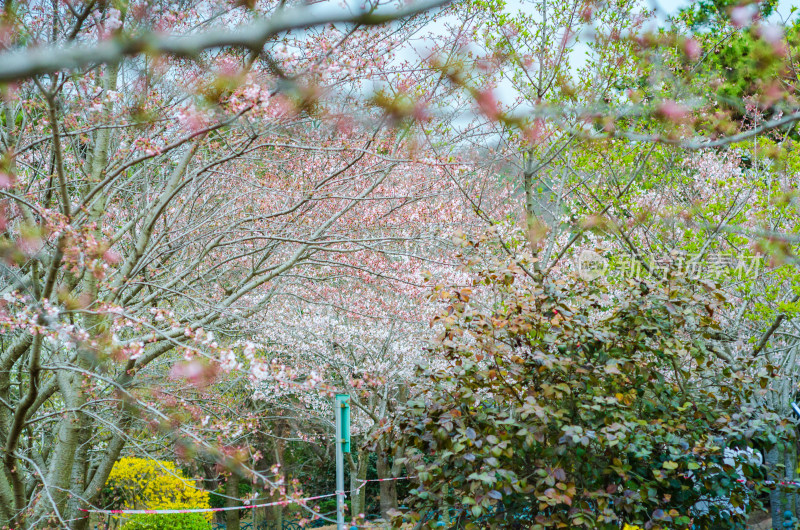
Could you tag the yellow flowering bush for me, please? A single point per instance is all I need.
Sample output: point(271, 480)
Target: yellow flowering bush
point(139, 483)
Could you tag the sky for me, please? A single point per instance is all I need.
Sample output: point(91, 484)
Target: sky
point(673, 6)
point(579, 54)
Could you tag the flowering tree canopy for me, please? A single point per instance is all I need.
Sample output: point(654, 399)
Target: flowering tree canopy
point(215, 216)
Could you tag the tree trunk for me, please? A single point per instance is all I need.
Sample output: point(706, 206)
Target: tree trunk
point(773, 457)
point(790, 470)
point(99, 474)
point(232, 517)
point(389, 487)
point(281, 432)
point(80, 520)
point(358, 472)
point(277, 512)
point(64, 452)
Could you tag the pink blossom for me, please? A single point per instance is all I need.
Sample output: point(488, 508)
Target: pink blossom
point(533, 134)
point(771, 34)
point(673, 111)
point(345, 125)
point(488, 104)
point(30, 245)
point(112, 23)
point(191, 119)
point(742, 16)
point(252, 93)
point(114, 19)
point(195, 371)
point(692, 49)
point(111, 257)
point(420, 112)
point(228, 66)
point(6, 180)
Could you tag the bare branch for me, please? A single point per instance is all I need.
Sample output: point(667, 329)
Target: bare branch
point(24, 64)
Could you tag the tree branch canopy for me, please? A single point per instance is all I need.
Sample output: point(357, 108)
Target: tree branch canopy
point(23, 64)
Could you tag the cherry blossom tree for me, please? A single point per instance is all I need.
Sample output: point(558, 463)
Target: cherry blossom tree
point(155, 203)
point(201, 202)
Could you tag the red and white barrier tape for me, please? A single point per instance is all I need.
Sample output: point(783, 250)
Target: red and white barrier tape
point(383, 479)
point(300, 501)
point(773, 482)
point(246, 507)
point(202, 510)
point(364, 481)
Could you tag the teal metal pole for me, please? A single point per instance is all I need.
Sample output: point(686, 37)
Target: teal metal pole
point(337, 413)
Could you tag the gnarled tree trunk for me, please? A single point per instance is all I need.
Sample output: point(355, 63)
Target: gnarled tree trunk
point(358, 472)
point(388, 488)
point(232, 517)
point(773, 457)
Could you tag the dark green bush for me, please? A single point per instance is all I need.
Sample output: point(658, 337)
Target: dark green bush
point(217, 497)
point(574, 405)
point(329, 505)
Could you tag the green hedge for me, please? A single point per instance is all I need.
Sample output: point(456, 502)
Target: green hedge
point(217, 498)
point(169, 521)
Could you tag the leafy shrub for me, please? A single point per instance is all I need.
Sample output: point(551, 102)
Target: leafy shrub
point(578, 405)
point(328, 506)
point(217, 497)
point(170, 521)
